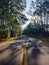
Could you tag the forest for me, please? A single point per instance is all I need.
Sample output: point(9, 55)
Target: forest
point(39, 24)
point(12, 17)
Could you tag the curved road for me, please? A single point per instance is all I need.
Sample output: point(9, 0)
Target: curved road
point(24, 51)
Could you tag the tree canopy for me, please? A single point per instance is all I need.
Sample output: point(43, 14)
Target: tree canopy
point(11, 15)
point(41, 12)
point(10, 9)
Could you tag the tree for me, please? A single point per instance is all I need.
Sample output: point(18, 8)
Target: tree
point(33, 31)
point(11, 13)
point(10, 9)
point(42, 10)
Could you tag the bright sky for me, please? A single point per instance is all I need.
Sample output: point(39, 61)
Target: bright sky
point(28, 3)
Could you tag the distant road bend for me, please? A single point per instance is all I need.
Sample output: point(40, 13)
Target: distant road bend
point(27, 51)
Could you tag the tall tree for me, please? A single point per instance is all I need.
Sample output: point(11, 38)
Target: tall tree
point(42, 9)
point(11, 9)
point(11, 13)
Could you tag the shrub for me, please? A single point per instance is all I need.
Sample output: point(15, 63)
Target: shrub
point(2, 26)
point(4, 33)
point(12, 33)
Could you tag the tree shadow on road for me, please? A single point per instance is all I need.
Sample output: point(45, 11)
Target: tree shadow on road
point(34, 56)
point(35, 52)
point(11, 59)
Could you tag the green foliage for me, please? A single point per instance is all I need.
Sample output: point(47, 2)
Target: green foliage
point(11, 12)
point(31, 30)
point(4, 34)
point(16, 30)
point(12, 33)
point(10, 9)
point(41, 10)
point(2, 26)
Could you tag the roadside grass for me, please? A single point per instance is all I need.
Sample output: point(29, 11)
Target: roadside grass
point(8, 39)
point(43, 39)
point(12, 38)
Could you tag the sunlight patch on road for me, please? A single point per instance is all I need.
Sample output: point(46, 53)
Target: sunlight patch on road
point(23, 57)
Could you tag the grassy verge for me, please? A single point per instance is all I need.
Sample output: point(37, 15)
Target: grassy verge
point(12, 38)
point(44, 39)
point(9, 39)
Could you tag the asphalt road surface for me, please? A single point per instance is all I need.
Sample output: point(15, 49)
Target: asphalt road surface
point(27, 51)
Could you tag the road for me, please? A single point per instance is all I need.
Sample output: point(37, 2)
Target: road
point(27, 51)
